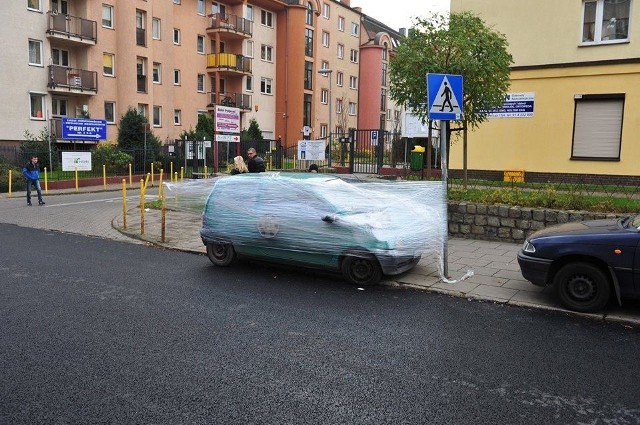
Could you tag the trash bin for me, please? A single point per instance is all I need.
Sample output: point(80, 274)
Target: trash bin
point(417, 158)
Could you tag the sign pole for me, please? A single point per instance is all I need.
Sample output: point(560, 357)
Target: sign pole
point(444, 142)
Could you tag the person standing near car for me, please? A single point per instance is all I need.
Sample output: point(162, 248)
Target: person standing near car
point(31, 172)
point(256, 163)
point(239, 167)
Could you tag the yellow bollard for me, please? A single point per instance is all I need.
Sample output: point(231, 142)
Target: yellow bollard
point(171, 171)
point(142, 188)
point(176, 177)
point(130, 176)
point(163, 217)
point(10, 172)
point(124, 204)
point(46, 182)
point(146, 182)
point(160, 183)
point(104, 176)
point(152, 174)
point(76, 178)
point(181, 173)
point(205, 172)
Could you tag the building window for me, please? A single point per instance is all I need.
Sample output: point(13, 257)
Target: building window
point(325, 10)
point(108, 64)
point(308, 43)
point(354, 56)
point(248, 84)
point(383, 99)
point(37, 106)
point(33, 5)
point(339, 79)
point(266, 53)
point(200, 7)
point(308, 75)
point(177, 1)
point(605, 21)
point(142, 109)
point(338, 106)
point(177, 78)
point(157, 73)
point(250, 13)
point(200, 44)
point(597, 127)
point(324, 96)
point(177, 117)
point(155, 28)
point(340, 51)
point(176, 36)
point(324, 65)
point(325, 39)
point(35, 52)
point(249, 52)
point(306, 110)
point(110, 112)
point(352, 108)
point(59, 107)
point(157, 116)
point(141, 34)
point(323, 131)
point(266, 86)
point(388, 114)
point(107, 16)
point(355, 28)
point(309, 13)
point(266, 18)
point(60, 57)
point(340, 23)
point(383, 81)
point(141, 74)
point(353, 82)
point(200, 86)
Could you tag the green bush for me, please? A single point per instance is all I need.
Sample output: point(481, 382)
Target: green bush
point(115, 160)
point(17, 181)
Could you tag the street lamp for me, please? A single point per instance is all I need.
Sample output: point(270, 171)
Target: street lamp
point(327, 72)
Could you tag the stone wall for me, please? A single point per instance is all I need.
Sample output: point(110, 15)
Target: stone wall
point(507, 223)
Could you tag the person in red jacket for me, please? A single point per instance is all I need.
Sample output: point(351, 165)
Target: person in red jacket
point(31, 172)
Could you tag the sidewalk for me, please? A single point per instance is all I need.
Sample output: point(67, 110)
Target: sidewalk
point(496, 275)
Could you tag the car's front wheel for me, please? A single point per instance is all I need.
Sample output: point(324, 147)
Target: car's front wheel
point(361, 269)
point(221, 254)
point(582, 287)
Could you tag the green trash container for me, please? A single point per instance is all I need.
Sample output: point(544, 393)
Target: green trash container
point(417, 158)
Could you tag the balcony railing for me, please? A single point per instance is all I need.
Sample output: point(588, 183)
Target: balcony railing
point(142, 84)
point(234, 100)
point(72, 26)
point(229, 62)
point(141, 37)
point(72, 79)
point(231, 24)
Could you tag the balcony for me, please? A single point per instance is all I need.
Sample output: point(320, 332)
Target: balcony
point(228, 64)
point(234, 100)
point(230, 26)
point(67, 80)
point(72, 29)
point(141, 37)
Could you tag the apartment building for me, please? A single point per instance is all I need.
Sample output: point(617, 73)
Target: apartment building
point(175, 59)
point(577, 71)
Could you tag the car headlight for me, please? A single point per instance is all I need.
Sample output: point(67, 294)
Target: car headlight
point(528, 247)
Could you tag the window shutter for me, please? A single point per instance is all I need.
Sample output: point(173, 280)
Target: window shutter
point(598, 129)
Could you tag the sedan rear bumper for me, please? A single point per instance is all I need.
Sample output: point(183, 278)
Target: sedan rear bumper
point(535, 270)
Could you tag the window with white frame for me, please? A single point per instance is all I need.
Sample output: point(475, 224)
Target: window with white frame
point(108, 64)
point(107, 16)
point(340, 51)
point(266, 18)
point(338, 106)
point(155, 29)
point(354, 56)
point(200, 85)
point(324, 65)
point(605, 21)
point(355, 29)
point(323, 130)
point(157, 73)
point(142, 109)
point(325, 10)
point(33, 5)
point(36, 106)
point(177, 117)
point(352, 108)
point(176, 36)
point(60, 57)
point(340, 23)
point(35, 52)
point(597, 127)
point(200, 7)
point(266, 53)
point(339, 79)
point(249, 14)
point(249, 49)
point(353, 82)
point(59, 106)
point(177, 1)
point(200, 44)
point(389, 115)
point(248, 83)
point(110, 112)
point(266, 85)
point(157, 116)
point(177, 77)
point(325, 39)
point(309, 20)
point(324, 96)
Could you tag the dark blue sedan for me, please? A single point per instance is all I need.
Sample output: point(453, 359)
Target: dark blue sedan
point(587, 262)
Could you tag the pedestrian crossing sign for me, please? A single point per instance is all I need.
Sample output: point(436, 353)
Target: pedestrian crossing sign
point(444, 97)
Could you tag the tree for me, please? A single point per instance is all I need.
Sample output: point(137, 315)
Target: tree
point(253, 133)
point(131, 134)
point(461, 44)
point(39, 145)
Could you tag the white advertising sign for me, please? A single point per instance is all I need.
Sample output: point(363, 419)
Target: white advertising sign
point(311, 150)
point(234, 138)
point(72, 161)
point(413, 127)
point(227, 120)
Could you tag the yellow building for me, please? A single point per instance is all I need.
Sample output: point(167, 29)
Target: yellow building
point(575, 91)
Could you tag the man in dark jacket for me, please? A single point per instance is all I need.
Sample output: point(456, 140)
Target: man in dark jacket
point(31, 172)
point(256, 164)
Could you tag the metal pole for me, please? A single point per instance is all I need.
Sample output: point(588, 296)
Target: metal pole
point(444, 140)
point(330, 113)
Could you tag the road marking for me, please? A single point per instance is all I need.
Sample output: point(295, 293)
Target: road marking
point(100, 200)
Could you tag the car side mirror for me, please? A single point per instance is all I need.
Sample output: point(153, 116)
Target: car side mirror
point(329, 219)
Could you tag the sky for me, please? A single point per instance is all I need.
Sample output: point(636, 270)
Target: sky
point(398, 13)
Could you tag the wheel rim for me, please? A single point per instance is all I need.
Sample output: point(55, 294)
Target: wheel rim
point(581, 288)
point(219, 251)
point(361, 269)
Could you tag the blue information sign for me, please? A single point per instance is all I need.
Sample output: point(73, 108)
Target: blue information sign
point(84, 129)
point(445, 97)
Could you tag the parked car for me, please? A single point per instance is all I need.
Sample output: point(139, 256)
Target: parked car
point(316, 220)
point(587, 262)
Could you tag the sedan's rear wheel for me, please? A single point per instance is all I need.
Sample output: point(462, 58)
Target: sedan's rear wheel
point(582, 287)
point(221, 254)
point(361, 269)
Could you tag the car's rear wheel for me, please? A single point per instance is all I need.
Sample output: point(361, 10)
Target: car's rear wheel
point(582, 287)
point(221, 254)
point(361, 268)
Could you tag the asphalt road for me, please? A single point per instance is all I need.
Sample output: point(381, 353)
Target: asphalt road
point(100, 331)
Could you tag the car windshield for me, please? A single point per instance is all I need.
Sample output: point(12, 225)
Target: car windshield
point(346, 197)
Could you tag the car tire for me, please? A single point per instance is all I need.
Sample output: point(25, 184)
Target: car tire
point(361, 268)
point(582, 287)
point(221, 254)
